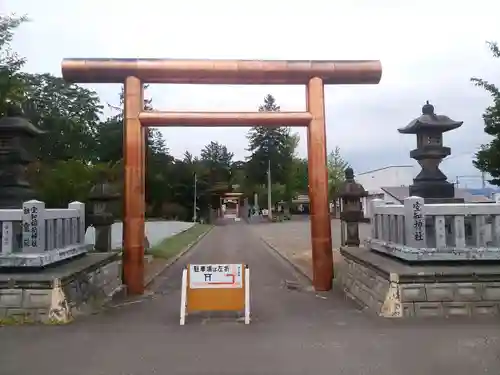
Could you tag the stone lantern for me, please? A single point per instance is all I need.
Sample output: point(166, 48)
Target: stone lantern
point(351, 194)
point(101, 197)
point(431, 184)
point(16, 132)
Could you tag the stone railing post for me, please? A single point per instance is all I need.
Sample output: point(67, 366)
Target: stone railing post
point(80, 230)
point(376, 230)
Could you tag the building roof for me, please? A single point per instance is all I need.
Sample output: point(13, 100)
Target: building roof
point(487, 192)
point(402, 192)
point(302, 198)
point(387, 167)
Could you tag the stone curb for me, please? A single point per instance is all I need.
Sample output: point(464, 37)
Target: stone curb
point(286, 259)
point(183, 252)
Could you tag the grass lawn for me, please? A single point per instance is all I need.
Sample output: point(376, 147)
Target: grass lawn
point(172, 246)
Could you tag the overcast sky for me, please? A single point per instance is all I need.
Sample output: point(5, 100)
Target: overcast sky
point(428, 49)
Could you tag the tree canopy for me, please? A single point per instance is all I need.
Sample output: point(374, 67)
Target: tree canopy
point(79, 145)
point(487, 159)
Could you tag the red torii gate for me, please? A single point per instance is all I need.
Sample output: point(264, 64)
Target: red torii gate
point(134, 73)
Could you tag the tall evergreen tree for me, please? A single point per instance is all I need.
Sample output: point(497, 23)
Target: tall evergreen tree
point(217, 161)
point(488, 157)
point(274, 145)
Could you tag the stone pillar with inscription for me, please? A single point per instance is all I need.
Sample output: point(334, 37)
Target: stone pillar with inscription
point(33, 226)
point(415, 231)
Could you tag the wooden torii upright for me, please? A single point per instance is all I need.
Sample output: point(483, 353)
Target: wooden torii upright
point(134, 73)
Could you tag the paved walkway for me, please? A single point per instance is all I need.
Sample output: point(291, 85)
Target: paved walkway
point(293, 332)
point(293, 239)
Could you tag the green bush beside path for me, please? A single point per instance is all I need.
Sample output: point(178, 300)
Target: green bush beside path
point(172, 246)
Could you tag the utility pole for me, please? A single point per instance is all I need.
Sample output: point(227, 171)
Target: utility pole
point(194, 200)
point(483, 180)
point(269, 204)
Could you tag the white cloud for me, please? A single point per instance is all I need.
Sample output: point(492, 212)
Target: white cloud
point(429, 50)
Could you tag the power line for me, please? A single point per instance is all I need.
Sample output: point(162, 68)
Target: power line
point(459, 155)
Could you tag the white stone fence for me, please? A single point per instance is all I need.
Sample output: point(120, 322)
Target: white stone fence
point(418, 231)
point(35, 236)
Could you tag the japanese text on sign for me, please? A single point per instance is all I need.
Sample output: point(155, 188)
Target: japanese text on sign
point(215, 276)
point(418, 222)
point(6, 233)
point(30, 227)
point(6, 247)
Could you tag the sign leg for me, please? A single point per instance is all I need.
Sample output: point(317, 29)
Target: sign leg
point(183, 297)
point(247, 295)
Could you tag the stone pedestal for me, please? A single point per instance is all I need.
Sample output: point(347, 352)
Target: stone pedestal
point(80, 285)
point(103, 238)
point(390, 288)
point(435, 192)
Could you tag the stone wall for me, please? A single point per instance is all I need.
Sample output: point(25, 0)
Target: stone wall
point(362, 284)
point(91, 290)
point(451, 299)
point(24, 304)
point(387, 295)
point(82, 292)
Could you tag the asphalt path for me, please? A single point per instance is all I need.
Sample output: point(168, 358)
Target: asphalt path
point(293, 331)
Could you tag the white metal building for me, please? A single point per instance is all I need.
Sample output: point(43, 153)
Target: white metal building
point(396, 175)
point(373, 182)
point(392, 185)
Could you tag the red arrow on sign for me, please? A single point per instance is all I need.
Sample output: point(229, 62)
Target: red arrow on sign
point(232, 282)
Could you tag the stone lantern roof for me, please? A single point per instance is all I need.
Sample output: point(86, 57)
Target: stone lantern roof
point(350, 188)
point(14, 122)
point(430, 121)
point(103, 192)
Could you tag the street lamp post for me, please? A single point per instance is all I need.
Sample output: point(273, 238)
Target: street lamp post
point(269, 201)
point(194, 200)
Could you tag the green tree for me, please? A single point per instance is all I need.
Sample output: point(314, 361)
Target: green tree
point(11, 83)
point(69, 115)
point(300, 179)
point(64, 181)
point(109, 134)
point(274, 145)
point(238, 175)
point(487, 159)
point(336, 171)
point(188, 158)
point(217, 160)
point(64, 170)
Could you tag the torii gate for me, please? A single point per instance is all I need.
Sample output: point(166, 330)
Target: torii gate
point(134, 73)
